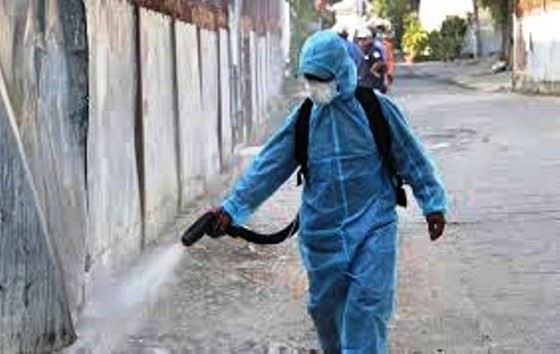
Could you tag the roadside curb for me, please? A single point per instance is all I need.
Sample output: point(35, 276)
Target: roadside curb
point(459, 81)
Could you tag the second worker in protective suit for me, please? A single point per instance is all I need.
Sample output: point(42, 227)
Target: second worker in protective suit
point(348, 232)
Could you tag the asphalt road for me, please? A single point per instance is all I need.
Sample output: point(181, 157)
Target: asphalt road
point(491, 285)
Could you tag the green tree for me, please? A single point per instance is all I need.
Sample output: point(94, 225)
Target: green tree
point(304, 20)
point(502, 12)
point(415, 38)
point(381, 8)
point(446, 43)
point(476, 21)
point(453, 31)
point(395, 11)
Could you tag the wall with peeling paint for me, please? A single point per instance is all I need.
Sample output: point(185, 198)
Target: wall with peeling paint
point(191, 142)
point(537, 47)
point(43, 208)
point(115, 220)
point(114, 117)
point(160, 187)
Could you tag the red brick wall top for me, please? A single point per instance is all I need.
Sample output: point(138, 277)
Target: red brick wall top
point(525, 7)
point(257, 15)
point(209, 14)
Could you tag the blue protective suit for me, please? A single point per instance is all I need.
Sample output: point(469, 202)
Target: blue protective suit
point(354, 51)
point(348, 219)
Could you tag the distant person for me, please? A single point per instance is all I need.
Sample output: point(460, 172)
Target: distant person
point(372, 68)
point(389, 49)
point(352, 48)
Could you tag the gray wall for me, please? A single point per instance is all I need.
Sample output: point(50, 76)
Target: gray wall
point(43, 62)
point(113, 187)
point(537, 48)
point(113, 119)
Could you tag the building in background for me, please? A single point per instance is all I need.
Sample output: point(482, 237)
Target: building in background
point(490, 35)
point(537, 46)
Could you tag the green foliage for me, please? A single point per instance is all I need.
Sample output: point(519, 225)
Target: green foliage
point(305, 20)
point(381, 8)
point(453, 31)
point(501, 10)
point(395, 11)
point(391, 9)
point(446, 44)
point(415, 38)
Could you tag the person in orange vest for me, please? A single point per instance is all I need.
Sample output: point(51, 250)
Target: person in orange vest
point(387, 40)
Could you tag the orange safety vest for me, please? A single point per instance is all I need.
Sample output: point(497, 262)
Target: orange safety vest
point(390, 56)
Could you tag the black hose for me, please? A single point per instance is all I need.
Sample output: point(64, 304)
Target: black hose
point(264, 239)
point(206, 223)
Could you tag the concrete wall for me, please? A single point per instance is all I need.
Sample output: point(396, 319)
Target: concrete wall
point(107, 135)
point(490, 37)
point(264, 66)
point(161, 187)
point(210, 102)
point(226, 105)
point(115, 223)
point(537, 47)
point(33, 298)
point(43, 215)
point(191, 142)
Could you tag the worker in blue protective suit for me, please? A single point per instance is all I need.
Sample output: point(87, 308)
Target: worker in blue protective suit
point(348, 233)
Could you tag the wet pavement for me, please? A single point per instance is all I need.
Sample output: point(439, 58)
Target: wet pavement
point(491, 285)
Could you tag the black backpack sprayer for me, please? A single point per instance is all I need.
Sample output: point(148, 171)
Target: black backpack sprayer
point(207, 224)
point(380, 130)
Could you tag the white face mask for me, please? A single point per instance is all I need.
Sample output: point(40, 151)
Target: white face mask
point(321, 93)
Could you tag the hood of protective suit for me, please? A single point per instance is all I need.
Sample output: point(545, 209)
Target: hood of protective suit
point(324, 55)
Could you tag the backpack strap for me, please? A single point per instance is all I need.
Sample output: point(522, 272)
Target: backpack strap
point(302, 139)
point(381, 133)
